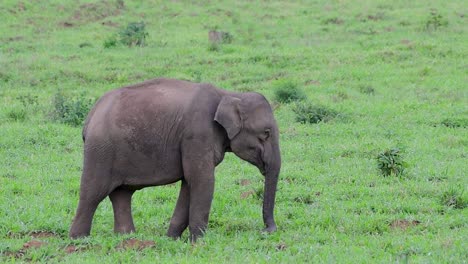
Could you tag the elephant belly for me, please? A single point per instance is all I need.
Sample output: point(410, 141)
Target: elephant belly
point(138, 171)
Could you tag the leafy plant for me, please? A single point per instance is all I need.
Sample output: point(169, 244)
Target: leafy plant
point(28, 100)
point(110, 42)
point(307, 112)
point(287, 91)
point(455, 122)
point(134, 34)
point(390, 162)
point(214, 47)
point(217, 38)
point(435, 20)
point(17, 114)
point(71, 110)
point(85, 44)
point(454, 198)
point(226, 37)
point(367, 89)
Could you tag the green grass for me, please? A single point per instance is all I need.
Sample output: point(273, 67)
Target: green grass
point(396, 69)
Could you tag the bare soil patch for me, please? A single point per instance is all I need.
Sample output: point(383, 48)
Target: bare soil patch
point(92, 12)
point(135, 244)
point(43, 234)
point(247, 194)
point(404, 224)
point(281, 246)
point(244, 182)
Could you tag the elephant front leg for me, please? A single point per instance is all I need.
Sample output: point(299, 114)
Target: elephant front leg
point(180, 218)
point(199, 174)
point(201, 196)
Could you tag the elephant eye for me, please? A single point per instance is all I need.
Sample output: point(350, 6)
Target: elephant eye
point(267, 133)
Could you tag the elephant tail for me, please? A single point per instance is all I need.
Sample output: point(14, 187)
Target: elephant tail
point(83, 133)
point(88, 118)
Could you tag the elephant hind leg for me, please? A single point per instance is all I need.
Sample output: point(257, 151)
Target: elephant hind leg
point(95, 186)
point(180, 218)
point(122, 204)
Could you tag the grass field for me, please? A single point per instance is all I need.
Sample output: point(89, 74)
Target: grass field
point(393, 72)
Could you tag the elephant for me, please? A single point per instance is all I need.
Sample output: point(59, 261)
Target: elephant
point(162, 131)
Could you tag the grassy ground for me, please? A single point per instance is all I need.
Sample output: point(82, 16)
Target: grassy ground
point(395, 72)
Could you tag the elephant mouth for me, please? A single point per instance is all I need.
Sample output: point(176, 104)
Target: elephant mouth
point(262, 168)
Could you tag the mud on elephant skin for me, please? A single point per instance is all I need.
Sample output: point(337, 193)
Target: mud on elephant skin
point(162, 131)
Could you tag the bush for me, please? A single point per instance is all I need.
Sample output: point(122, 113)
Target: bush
point(110, 42)
point(367, 89)
point(28, 100)
point(455, 122)
point(310, 113)
point(435, 21)
point(287, 91)
point(390, 162)
point(454, 198)
point(223, 37)
point(214, 47)
point(71, 110)
point(17, 114)
point(134, 34)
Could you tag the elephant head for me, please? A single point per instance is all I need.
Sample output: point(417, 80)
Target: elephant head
point(254, 137)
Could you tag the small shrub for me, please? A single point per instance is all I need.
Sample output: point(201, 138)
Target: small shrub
point(5, 77)
point(310, 113)
point(110, 42)
point(435, 20)
point(71, 110)
point(455, 122)
point(85, 44)
point(367, 90)
point(28, 100)
point(333, 20)
point(134, 34)
point(17, 114)
point(454, 198)
point(390, 162)
point(220, 37)
point(120, 4)
point(214, 47)
point(227, 37)
point(287, 91)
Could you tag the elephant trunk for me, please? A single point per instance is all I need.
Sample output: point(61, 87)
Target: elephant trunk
point(272, 170)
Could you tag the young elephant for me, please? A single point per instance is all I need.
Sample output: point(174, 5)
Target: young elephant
point(163, 131)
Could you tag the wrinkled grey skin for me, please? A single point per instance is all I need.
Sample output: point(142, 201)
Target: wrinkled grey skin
point(163, 131)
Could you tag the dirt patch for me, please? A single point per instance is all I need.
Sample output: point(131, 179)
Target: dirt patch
point(71, 249)
point(135, 244)
point(110, 24)
point(246, 195)
point(281, 246)
point(43, 234)
point(334, 20)
point(244, 182)
point(376, 17)
point(404, 224)
point(17, 38)
point(66, 24)
point(91, 12)
point(33, 244)
point(312, 82)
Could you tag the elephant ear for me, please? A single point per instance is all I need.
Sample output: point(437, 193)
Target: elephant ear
point(228, 115)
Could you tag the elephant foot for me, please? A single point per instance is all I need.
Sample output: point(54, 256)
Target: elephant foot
point(174, 234)
point(77, 235)
point(124, 230)
point(270, 229)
